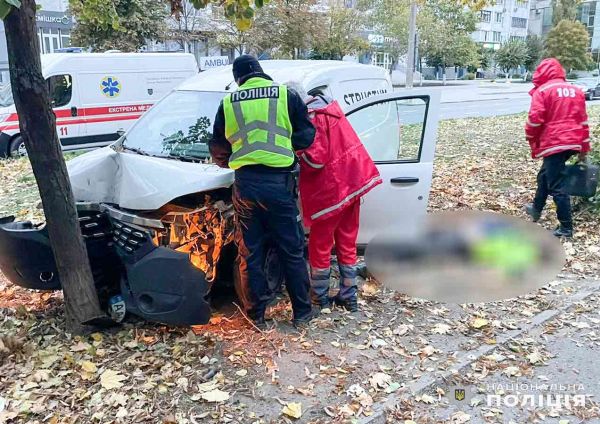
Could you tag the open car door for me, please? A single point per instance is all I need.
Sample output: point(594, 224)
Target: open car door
point(399, 131)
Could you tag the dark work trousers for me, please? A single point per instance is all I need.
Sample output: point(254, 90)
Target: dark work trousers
point(265, 205)
point(550, 182)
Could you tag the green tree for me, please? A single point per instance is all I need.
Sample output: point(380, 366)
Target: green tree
point(535, 50)
point(38, 124)
point(445, 27)
point(564, 9)
point(511, 55)
point(568, 42)
point(388, 18)
point(260, 37)
point(341, 36)
point(297, 27)
point(486, 57)
point(117, 24)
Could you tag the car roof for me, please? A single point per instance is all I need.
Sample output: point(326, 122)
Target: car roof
point(107, 61)
point(310, 73)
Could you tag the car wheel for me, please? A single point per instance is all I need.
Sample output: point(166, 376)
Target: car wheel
point(16, 148)
point(273, 273)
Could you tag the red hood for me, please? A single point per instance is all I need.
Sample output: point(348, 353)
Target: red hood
point(333, 109)
point(548, 70)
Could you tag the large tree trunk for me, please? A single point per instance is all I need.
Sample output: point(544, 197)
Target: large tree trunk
point(38, 129)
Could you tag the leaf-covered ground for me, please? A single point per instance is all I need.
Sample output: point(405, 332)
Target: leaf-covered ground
point(397, 360)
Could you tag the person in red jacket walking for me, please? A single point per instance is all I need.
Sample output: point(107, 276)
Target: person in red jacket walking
point(557, 128)
point(335, 172)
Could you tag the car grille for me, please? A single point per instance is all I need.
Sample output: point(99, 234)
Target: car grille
point(94, 225)
point(129, 238)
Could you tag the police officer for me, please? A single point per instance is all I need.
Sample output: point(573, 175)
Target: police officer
point(256, 132)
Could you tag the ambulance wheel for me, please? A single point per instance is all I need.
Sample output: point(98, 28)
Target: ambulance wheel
point(16, 148)
point(273, 272)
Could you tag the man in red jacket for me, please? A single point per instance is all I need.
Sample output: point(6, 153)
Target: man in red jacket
point(556, 129)
point(335, 172)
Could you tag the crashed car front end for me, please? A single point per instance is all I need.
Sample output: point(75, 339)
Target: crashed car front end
point(161, 260)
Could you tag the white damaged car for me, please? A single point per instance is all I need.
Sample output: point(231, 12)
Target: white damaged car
point(157, 216)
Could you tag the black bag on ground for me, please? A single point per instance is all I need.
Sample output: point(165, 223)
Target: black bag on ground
point(581, 179)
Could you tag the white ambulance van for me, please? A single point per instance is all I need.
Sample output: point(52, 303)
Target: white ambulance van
point(157, 216)
point(96, 96)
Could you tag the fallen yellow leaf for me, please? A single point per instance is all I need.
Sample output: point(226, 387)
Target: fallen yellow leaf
point(479, 323)
point(89, 366)
point(293, 409)
point(215, 396)
point(111, 379)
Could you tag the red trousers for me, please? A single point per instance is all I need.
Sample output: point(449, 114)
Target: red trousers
point(341, 230)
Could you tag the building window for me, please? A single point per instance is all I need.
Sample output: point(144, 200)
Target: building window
point(499, 1)
point(522, 3)
point(497, 37)
point(218, 12)
point(517, 38)
point(381, 59)
point(519, 23)
point(485, 16)
point(547, 16)
point(586, 13)
point(53, 39)
point(499, 17)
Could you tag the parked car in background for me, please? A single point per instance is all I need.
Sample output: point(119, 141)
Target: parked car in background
point(157, 216)
point(590, 86)
point(97, 96)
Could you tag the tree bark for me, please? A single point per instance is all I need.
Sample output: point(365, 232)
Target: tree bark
point(38, 129)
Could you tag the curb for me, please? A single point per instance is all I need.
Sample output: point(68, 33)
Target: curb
point(468, 357)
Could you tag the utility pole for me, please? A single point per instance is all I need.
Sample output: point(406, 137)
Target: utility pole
point(412, 32)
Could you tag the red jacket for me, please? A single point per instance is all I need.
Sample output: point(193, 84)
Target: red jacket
point(557, 118)
point(336, 169)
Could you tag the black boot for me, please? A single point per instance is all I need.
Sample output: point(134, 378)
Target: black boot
point(533, 212)
point(350, 304)
point(302, 323)
point(563, 231)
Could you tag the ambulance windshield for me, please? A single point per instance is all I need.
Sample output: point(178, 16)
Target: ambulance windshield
point(179, 126)
point(6, 97)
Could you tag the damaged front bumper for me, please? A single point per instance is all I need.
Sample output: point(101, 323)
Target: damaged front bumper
point(158, 283)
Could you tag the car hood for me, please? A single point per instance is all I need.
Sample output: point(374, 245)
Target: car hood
point(139, 182)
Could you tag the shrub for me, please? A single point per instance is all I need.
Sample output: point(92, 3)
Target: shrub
point(572, 75)
point(517, 76)
point(500, 75)
point(470, 76)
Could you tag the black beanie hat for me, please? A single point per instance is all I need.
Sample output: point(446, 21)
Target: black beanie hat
point(245, 65)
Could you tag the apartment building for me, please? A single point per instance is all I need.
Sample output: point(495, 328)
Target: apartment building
point(54, 31)
point(540, 17)
point(586, 14)
point(502, 21)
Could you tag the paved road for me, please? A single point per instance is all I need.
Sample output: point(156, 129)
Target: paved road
point(484, 108)
point(485, 100)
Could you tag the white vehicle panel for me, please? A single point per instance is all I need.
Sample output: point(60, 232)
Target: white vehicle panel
point(386, 124)
point(139, 182)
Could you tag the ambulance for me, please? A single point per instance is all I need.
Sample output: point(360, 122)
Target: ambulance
point(157, 215)
point(97, 96)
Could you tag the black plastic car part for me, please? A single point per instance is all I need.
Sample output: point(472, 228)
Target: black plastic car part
point(160, 284)
point(26, 255)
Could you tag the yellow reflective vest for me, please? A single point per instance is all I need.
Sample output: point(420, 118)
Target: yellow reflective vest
point(258, 126)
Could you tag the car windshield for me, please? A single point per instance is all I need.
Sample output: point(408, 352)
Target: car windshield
point(6, 97)
point(180, 126)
